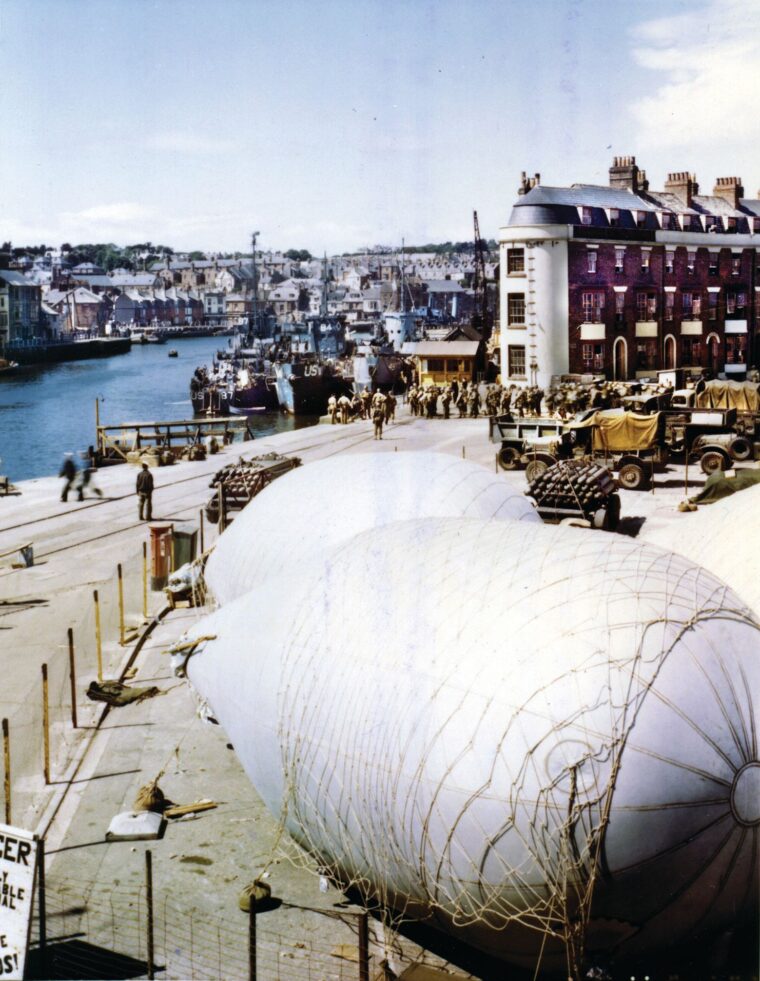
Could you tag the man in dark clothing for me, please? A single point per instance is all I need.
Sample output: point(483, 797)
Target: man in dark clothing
point(69, 472)
point(145, 493)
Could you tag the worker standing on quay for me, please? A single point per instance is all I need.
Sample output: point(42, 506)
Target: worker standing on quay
point(68, 472)
point(446, 401)
point(378, 418)
point(344, 407)
point(144, 489)
point(332, 408)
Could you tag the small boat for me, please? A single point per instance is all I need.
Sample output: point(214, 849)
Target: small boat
point(173, 353)
point(7, 367)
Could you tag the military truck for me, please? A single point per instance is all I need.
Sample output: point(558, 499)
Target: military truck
point(533, 444)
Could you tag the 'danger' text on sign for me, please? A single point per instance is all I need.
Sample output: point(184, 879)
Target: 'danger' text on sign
point(18, 859)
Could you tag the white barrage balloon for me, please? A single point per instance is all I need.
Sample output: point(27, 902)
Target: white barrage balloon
point(721, 537)
point(311, 510)
point(473, 720)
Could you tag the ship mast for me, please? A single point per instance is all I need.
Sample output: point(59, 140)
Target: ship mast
point(403, 280)
point(254, 287)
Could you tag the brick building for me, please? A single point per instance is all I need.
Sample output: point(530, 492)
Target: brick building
point(623, 281)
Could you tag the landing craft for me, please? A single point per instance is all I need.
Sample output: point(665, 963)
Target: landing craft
point(541, 740)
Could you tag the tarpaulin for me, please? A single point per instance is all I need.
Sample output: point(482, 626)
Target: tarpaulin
point(718, 485)
point(621, 431)
point(742, 396)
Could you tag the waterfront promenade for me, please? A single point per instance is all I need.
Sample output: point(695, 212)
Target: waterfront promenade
point(96, 770)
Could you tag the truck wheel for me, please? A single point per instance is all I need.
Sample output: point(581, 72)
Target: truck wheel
point(509, 458)
point(534, 470)
point(712, 461)
point(740, 448)
point(632, 476)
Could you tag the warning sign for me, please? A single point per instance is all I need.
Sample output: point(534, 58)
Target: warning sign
point(18, 862)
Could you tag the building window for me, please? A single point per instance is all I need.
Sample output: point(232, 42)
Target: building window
point(691, 305)
point(730, 224)
point(452, 365)
point(516, 359)
point(712, 305)
point(434, 364)
point(591, 257)
point(691, 259)
point(641, 219)
point(619, 259)
point(669, 262)
point(593, 307)
point(515, 308)
point(736, 304)
point(691, 350)
point(646, 306)
point(619, 307)
point(736, 265)
point(713, 267)
point(646, 354)
point(585, 216)
point(515, 260)
point(736, 348)
point(592, 356)
point(614, 216)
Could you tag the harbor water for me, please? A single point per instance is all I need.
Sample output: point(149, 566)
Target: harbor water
point(45, 412)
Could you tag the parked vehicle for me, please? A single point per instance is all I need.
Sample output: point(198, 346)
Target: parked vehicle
point(634, 445)
point(531, 443)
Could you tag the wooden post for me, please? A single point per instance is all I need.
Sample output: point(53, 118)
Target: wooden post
point(363, 946)
point(72, 679)
point(203, 543)
point(42, 902)
point(252, 939)
point(45, 723)
point(122, 639)
point(221, 508)
point(7, 770)
point(145, 580)
point(98, 645)
point(149, 902)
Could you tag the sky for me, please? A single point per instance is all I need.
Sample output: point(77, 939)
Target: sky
point(334, 125)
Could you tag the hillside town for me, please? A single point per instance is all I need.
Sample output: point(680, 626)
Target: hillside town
point(44, 297)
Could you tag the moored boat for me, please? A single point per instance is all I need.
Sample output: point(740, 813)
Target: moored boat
point(305, 384)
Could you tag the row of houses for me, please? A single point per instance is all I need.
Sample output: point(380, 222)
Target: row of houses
point(88, 299)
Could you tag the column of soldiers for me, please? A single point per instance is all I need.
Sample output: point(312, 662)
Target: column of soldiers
point(471, 400)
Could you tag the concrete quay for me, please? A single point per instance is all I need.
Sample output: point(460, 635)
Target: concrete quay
point(96, 889)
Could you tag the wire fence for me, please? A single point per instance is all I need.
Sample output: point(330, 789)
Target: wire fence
point(102, 931)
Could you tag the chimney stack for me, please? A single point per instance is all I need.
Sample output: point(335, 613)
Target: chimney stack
point(625, 175)
point(683, 185)
point(730, 189)
point(528, 183)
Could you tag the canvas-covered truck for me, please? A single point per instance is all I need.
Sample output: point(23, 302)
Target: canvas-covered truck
point(634, 445)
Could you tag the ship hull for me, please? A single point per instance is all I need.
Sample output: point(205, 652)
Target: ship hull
point(303, 389)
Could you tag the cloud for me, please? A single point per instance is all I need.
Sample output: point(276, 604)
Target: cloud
point(189, 144)
point(711, 86)
point(124, 212)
